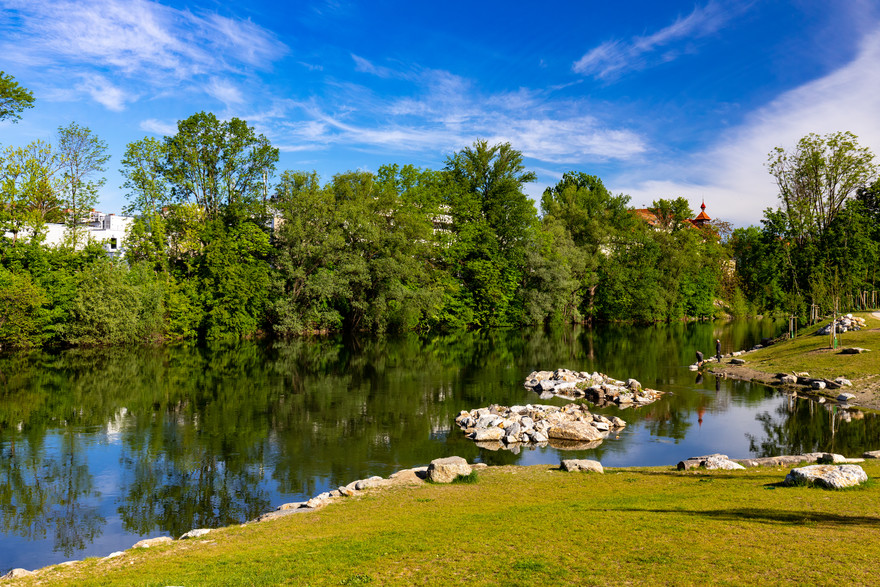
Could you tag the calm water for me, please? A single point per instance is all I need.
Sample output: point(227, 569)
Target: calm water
point(99, 448)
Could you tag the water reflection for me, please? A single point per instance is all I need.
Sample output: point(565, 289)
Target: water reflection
point(160, 440)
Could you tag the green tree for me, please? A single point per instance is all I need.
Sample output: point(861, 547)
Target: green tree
point(23, 316)
point(219, 165)
point(493, 220)
point(671, 214)
point(29, 187)
point(817, 177)
point(13, 98)
point(82, 159)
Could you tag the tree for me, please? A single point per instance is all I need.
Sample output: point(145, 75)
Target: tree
point(145, 180)
point(83, 157)
point(493, 220)
point(13, 98)
point(671, 214)
point(29, 186)
point(218, 165)
point(817, 177)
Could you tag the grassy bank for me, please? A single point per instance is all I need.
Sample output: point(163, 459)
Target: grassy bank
point(812, 354)
point(535, 526)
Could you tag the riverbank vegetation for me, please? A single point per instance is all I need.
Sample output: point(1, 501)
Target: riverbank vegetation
point(223, 247)
point(639, 526)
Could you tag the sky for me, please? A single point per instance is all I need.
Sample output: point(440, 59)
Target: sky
point(658, 99)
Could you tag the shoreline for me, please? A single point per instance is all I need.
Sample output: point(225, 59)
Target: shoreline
point(865, 389)
point(364, 492)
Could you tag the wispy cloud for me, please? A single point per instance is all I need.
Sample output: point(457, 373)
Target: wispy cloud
point(732, 174)
point(365, 66)
point(225, 91)
point(104, 92)
point(446, 112)
point(614, 58)
point(159, 127)
point(150, 45)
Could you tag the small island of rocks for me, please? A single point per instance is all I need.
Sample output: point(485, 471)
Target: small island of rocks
point(596, 388)
point(570, 427)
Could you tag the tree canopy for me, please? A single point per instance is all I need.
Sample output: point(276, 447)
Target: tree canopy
point(13, 98)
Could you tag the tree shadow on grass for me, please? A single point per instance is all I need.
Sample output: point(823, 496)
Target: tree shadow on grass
point(768, 516)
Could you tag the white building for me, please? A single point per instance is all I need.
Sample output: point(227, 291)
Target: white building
point(108, 229)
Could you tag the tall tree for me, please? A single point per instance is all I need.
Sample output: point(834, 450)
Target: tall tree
point(83, 158)
point(493, 220)
point(817, 177)
point(219, 165)
point(13, 98)
point(29, 186)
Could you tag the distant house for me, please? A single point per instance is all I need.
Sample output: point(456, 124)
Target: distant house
point(701, 221)
point(108, 229)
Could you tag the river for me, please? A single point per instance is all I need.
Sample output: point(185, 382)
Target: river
point(102, 447)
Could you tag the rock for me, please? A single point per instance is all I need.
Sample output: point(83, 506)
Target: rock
point(817, 384)
point(872, 454)
point(539, 437)
point(374, 481)
point(721, 462)
point(828, 476)
point(737, 361)
point(577, 431)
point(618, 422)
point(445, 470)
point(843, 382)
point(487, 434)
point(581, 465)
point(479, 466)
point(601, 426)
point(198, 533)
point(116, 554)
point(845, 397)
point(633, 384)
point(853, 351)
point(317, 502)
point(713, 461)
point(153, 542)
point(17, 574)
point(788, 379)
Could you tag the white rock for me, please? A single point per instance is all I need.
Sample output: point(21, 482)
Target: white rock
point(17, 574)
point(829, 476)
point(445, 470)
point(581, 465)
point(153, 542)
point(845, 397)
point(197, 533)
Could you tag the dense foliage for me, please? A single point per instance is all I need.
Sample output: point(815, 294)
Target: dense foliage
point(820, 248)
point(219, 249)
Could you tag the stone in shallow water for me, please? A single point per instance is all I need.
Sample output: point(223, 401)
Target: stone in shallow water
point(828, 476)
point(845, 397)
point(580, 431)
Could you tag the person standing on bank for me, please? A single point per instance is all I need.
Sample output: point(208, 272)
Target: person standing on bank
point(718, 349)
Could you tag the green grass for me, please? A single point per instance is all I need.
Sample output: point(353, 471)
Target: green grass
point(536, 526)
point(812, 354)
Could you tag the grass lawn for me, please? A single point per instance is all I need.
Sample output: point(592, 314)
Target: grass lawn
point(536, 526)
point(813, 354)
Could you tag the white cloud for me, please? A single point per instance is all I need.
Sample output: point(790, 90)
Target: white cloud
point(102, 91)
point(732, 175)
point(144, 43)
point(613, 58)
point(225, 91)
point(159, 127)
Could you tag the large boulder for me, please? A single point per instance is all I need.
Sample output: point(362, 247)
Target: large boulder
point(488, 434)
point(578, 431)
point(828, 476)
point(581, 465)
point(445, 470)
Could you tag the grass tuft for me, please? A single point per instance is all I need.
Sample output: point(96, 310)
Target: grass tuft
point(468, 479)
point(357, 580)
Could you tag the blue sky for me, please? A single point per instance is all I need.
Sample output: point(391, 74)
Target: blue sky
point(659, 99)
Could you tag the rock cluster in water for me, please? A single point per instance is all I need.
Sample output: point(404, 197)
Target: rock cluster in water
point(595, 387)
point(568, 427)
point(843, 324)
